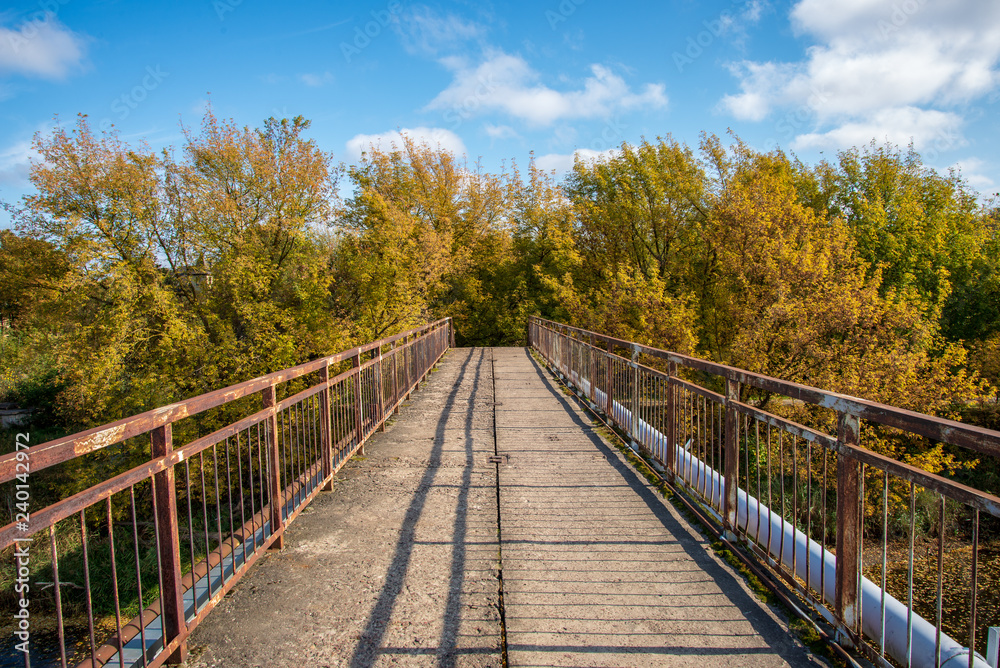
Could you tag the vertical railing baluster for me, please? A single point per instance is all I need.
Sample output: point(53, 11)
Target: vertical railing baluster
point(56, 588)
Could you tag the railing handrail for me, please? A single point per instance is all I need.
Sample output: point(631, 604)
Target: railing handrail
point(301, 442)
point(66, 448)
point(979, 439)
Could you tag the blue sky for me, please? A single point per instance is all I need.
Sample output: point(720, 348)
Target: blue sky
point(499, 80)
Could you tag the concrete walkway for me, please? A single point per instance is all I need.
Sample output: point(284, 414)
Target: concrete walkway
point(400, 564)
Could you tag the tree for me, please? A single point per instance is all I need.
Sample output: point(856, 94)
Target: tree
point(640, 220)
point(423, 237)
point(148, 279)
point(921, 229)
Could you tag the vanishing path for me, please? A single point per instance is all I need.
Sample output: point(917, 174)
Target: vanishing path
point(400, 564)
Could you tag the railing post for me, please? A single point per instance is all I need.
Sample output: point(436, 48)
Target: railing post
point(380, 390)
point(848, 522)
point(609, 398)
point(732, 459)
point(395, 380)
point(591, 375)
point(407, 363)
point(634, 422)
point(421, 359)
point(557, 353)
point(359, 415)
point(563, 352)
point(451, 327)
point(325, 430)
point(171, 598)
point(270, 400)
point(670, 456)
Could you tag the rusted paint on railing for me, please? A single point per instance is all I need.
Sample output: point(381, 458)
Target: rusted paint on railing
point(848, 525)
point(66, 448)
point(731, 459)
point(290, 448)
point(940, 429)
point(688, 443)
point(171, 595)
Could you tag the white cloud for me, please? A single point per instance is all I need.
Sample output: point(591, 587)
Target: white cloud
point(507, 84)
point(500, 131)
point(200, 106)
point(424, 32)
point(753, 10)
point(929, 130)
point(972, 170)
point(15, 164)
point(758, 82)
point(446, 139)
point(563, 162)
point(733, 26)
point(316, 80)
point(45, 49)
point(877, 69)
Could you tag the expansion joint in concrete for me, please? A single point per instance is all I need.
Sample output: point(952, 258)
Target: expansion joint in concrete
point(497, 461)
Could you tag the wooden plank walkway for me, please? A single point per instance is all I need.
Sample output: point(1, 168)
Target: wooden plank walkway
point(400, 564)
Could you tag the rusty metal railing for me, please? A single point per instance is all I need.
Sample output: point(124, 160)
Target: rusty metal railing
point(137, 559)
point(859, 535)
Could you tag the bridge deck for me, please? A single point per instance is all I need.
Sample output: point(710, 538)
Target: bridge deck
point(400, 564)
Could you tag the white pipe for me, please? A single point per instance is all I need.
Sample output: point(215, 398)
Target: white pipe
point(786, 543)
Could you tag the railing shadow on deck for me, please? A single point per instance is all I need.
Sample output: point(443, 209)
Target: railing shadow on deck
point(370, 644)
point(800, 504)
point(153, 549)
